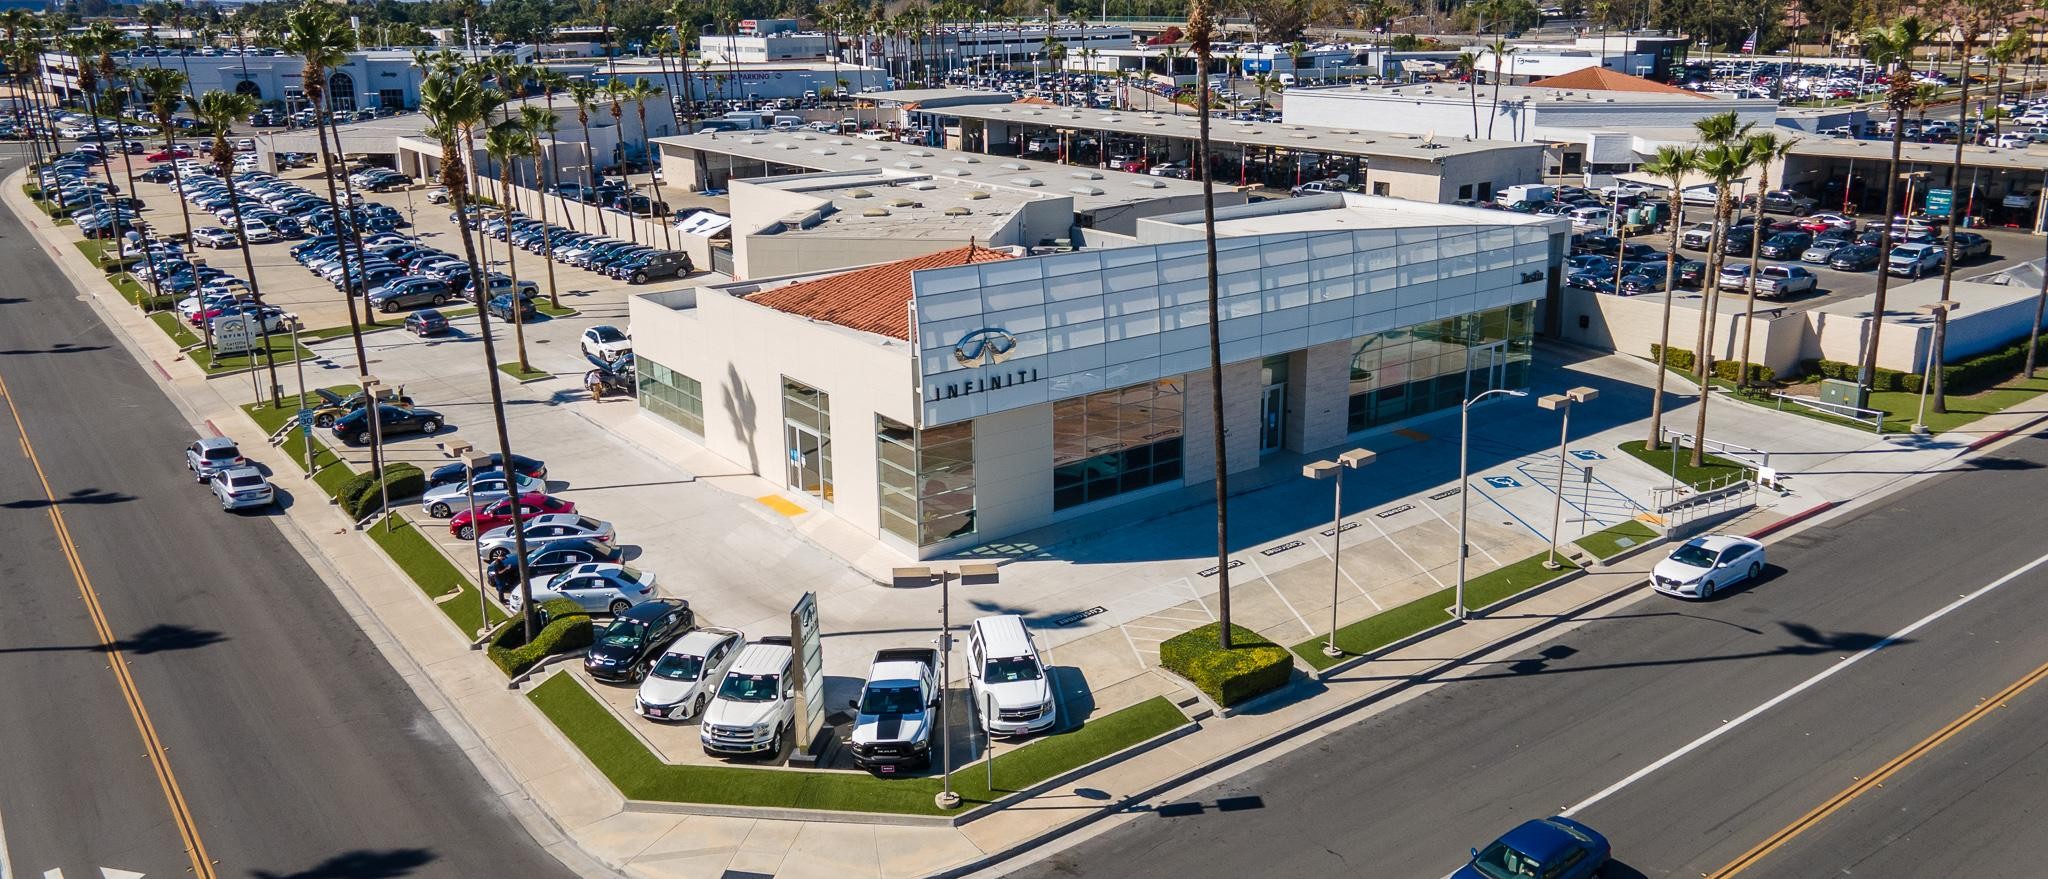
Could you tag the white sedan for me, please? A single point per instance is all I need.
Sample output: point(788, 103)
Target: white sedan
point(680, 683)
point(498, 542)
point(1706, 564)
point(598, 587)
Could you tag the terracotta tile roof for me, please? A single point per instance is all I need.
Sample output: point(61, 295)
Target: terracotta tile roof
point(875, 299)
point(1600, 79)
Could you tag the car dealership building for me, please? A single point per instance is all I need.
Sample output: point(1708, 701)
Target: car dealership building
point(965, 395)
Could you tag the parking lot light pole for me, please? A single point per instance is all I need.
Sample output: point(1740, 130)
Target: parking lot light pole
point(471, 460)
point(300, 364)
point(1563, 404)
point(1334, 470)
point(1465, 491)
point(1927, 372)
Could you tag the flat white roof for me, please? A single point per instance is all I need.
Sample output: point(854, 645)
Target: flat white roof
point(890, 203)
point(1351, 210)
point(1306, 138)
point(1451, 91)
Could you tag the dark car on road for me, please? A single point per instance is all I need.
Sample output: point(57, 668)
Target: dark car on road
point(622, 651)
point(354, 428)
point(1551, 848)
point(1854, 258)
point(426, 322)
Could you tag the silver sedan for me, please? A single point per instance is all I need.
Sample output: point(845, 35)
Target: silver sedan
point(498, 542)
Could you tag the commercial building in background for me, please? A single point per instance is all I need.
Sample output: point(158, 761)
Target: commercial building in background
point(777, 40)
point(1651, 57)
point(1594, 123)
point(970, 394)
point(367, 79)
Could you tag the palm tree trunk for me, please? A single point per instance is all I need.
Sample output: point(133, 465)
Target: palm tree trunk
point(547, 238)
point(1703, 354)
point(1656, 439)
point(505, 176)
point(1868, 374)
point(1222, 472)
point(355, 328)
point(1756, 285)
point(1956, 201)
point(654, 212)
point(255, 294)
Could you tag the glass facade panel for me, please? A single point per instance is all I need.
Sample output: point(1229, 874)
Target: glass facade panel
point(927, 480)
point(672, 395)
point(807, 435)
point(1111, 442)
point(1430, 367)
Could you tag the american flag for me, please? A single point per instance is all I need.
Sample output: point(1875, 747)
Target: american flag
point(1749, 45)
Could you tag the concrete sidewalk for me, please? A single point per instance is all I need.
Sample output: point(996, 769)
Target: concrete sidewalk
point(1156, 558)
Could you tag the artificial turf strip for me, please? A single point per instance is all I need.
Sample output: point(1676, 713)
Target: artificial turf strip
point(639, 775)
point(431, 571)
point(512, 369)
point(1402, 621)
point(1716, 467)
point(1606, 543)
point(174, 328)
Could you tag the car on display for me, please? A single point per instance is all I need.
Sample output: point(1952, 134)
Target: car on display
point(1971, 245)
point(497, 542)
point(499, 513)
point(1827, 222)
point(598, 587)
point(1775, 281)
point(606, 342)
point(355, 427)
point(1640, 284)
point(892, 724)
point(1586, 281)
point(1785, 201)
point(1914, 260)
point(1007, 679)
point(679, 684)
point(240, 488)
point(426, 322)
point(549, 560)
point(214, 236)
point(1692, 273)
point(257, 231)
point(212, 454)
point(501, 307)
point(1823, 249)
point(524, 466)
point(624, 650)
point(443, 499)
point(753, 705)
point(1785, 245)
point(1549, 848)
point(1854, 258)
point(408, 291)
point(1706, 564)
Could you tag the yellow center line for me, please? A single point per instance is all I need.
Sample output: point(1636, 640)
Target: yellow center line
point(181, 811)
point(1820, 813)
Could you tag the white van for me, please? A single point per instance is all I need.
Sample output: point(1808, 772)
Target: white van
point(755, 703)
point(1529, 192)
point(1012, 692)
point(1595, 216)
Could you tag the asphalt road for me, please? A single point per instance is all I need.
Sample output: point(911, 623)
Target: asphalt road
point(294, 748)
point(1553, 724)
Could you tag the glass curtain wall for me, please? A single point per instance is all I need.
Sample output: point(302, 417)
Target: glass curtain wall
point(672, 395)
point(1429, 367)
point(1111, 442)
point(927, 480)
point(807, 438)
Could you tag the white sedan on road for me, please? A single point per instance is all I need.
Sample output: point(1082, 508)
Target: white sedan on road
point(1707, 564)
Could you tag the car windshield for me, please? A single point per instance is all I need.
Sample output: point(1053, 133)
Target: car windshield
point(750, 688)
point(607, 334)
point(1695, 555)
point(679, 667)
point(1005, 671)
point(623, 633)
point(891, 700)
point(1501, 862)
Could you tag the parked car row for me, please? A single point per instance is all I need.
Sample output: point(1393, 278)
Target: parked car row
point(614, 258)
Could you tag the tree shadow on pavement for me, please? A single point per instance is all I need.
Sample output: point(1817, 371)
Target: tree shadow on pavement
point(80, 497)
point(360, 864)
point(160, 638)
point(1812, 642)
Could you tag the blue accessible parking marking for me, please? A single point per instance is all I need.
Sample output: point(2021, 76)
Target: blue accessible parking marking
point(1588, 455)
point(1503, 482)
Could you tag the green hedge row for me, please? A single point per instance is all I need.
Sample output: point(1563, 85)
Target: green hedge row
point(361, 495)
point(1253, 665)
point(1725, 370)
point(569, 628)
point(1968, 377)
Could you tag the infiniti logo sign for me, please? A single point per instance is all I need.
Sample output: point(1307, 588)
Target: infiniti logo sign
point(985, 347)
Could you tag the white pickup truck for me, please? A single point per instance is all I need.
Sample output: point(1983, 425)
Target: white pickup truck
point(754, 705)
point(894, 714)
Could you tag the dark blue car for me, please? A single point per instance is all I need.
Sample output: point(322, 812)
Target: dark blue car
point(1550, 848)
point(449, 474)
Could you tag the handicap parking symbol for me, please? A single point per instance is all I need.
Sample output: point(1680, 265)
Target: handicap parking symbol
point(1503, 482)
point(1588, 455)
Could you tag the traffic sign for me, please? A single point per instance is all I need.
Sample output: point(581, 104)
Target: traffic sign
point(306, 421)
point(1940, 202)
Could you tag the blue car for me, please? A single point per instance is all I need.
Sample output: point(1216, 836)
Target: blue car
point(1551, 848)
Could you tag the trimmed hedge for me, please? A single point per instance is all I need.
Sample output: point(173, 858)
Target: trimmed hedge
point(569, 628)
point(1978, 373)
point(1725, 370)
point(361, 496)
point(1253, 665)
point(1882, 380)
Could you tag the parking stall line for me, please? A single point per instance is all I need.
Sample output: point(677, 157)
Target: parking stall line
point(1281, 595)
point(1404, 553)
point(1347, 574)
point(1454, 530)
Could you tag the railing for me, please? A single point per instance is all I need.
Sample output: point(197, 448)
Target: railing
point(1755, 458)
point(1872, 417)
point(1679, 505)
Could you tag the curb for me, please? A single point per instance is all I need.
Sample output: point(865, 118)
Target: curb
point(1448, 624)
point(1793, 519)
point(770, 813)
point(1986, 440)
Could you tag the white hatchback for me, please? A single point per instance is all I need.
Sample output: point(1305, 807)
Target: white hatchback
point(1706, 564)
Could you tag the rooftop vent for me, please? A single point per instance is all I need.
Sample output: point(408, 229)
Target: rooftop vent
point(785, 146)
point(806, 137)
point(924, 186)
point(840, 141)
point(1085, 175)
point(750, 140)
point(955, 172)
point(1026, 181)
point(859, 193)
point(922, 154)
point(860, 157)
point(976, 195)
point(958, 212)
point(825, 151)
point(907, 165)
point(874, 212)
point(967, 160)
point(1014, 166)
point(904, 203)
point(1085, 190)
point(1149, 183)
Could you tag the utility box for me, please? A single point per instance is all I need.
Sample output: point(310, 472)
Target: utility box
point(1844, 393)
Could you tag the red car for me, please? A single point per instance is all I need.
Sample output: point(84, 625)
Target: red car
point(499, 513)
point(168, 155)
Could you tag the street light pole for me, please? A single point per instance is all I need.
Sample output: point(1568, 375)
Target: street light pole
point(1334, 470)
point(1465, 491)
point(1562, 403)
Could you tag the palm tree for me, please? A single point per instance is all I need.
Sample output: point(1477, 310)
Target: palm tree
point(680, 12)
point(315, 33)
point(220, 111)
point(640, 92)
point(118, 95)
point(1201, 31)
point(616, 93)
point(2012, 46)
point(1725, 163)
point(1893, 46)
point(583, 93)
point(1467, 66)
point(1968, 29)
point(535, 121)
point(1295, 50)
point(82, 47)
point(454, 102)
point(1765, 148)
point(165, 91)
point(507, 143)
point(1501, 50)
point(1672, 163)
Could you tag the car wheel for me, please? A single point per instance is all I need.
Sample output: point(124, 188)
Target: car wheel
point(640, 671)
point(438, 299)
point(619, 606)
point(698, 709)
point(430, 426)
point(466, 532)
point(1755, 568)
point(390, 306)
point(323, 421)
point(440, 511)
point(364, 438)
point(497, 555)
point(775, 744)
point(639, 277)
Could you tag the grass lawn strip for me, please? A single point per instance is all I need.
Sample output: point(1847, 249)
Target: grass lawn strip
point(1606, 544)
point(1395, 623)
point(616, 752)
point(552, 310)
point(528, 375)
point(1715, 467)
point(431, 571)
point(280, 347)
point(1513, 579)
point(1900, 406)
point(175, 328)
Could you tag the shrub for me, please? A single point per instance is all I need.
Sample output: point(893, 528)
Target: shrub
point(1676, 358)
point(352, 491)
point(1253, 665)
point(362, 495)
point(568, 628)
point(1728, 370)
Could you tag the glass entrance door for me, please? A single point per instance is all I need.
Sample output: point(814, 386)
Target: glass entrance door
point(1273, 418)
point(806, 461)
point(1486, 369)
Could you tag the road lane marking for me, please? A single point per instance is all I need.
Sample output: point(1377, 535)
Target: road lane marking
point(1820, 813)
point(181, 811)
point(1803, 686)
